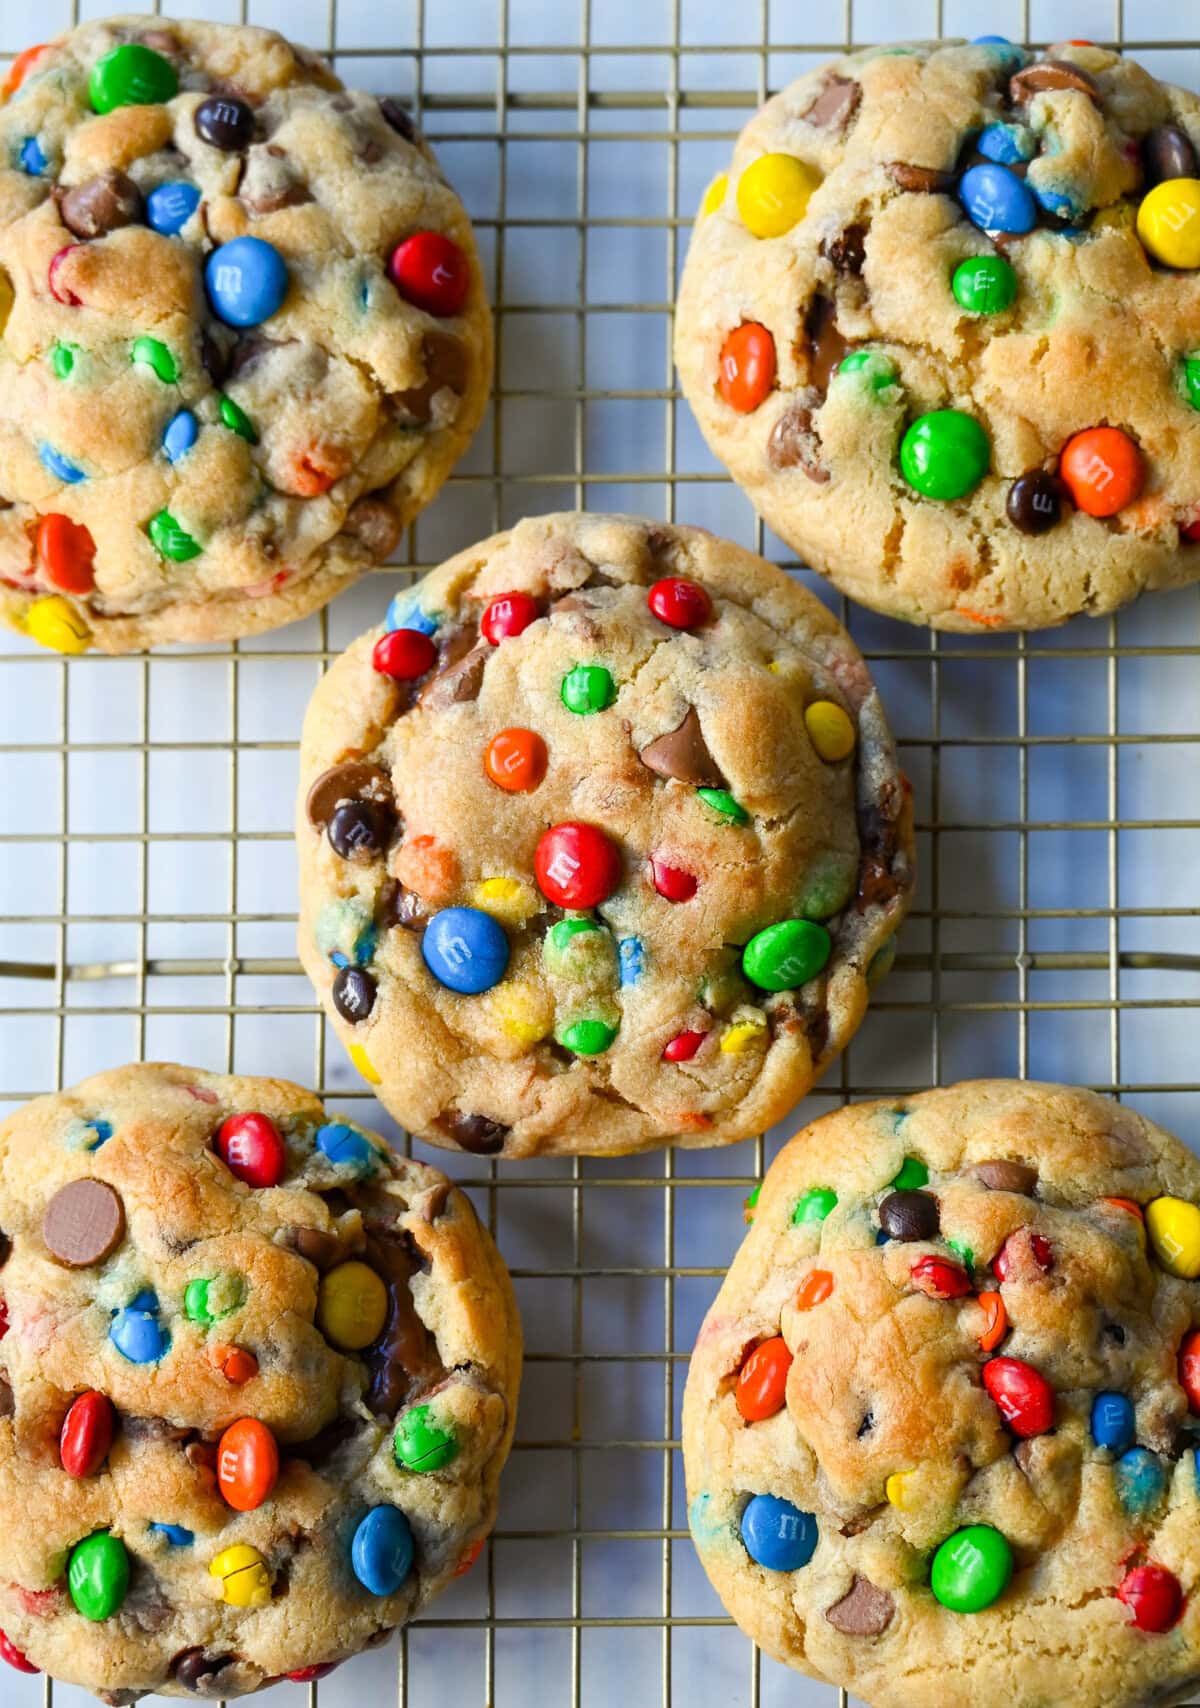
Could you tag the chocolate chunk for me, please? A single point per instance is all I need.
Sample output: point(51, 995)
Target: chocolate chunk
point(835, 105)
point(864, 1611)
point(7, 1403)
point(826, 346)
point(5, 1249)
point(447, 368)
point(1004, 1176)
point(847, 251)
point(292, 195)
point(457, 682)
point(375, 525)
point(193, 1667)
point(926, 180)
point(909, 1215)
point(475, 1133)
point(405, 1357)
point(84, 1223)
point(353, 990)
point(101, 205)
point(399, 119)
point(224, 123)
point(355, 781)
point(1167, 152)
point(361, 828)
point(683, 754)
point(1034, 502)
point(1050, 74)
point(795, 443)
point(316, 1246)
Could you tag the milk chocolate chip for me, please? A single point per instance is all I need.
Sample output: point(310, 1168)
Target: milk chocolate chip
point(84, 1223)
point(101, 205)
point(375, 525)
point(446, 369)
point(358, 780)
point(826, 346)
point(683, 754)
point(835, 105)
point(795, 443)
point(476, 1133)
point(1004, 1176)
point(458, 679)
point(926, 180)
point(405, 1356)
point(1050, 74)
point(847, 251)
point(864, 1611)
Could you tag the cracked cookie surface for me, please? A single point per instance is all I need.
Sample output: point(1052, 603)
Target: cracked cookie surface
point(258, 1378)
point(938, 1423)
point(244, 334)
point(940, 323)
point(601, 838)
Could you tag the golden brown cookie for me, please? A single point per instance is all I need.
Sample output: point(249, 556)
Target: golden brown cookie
point(258, 1378)
point(243, 333)
point(939, 1422)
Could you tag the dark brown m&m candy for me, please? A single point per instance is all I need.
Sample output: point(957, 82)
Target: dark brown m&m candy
point(476, 1133)
point(84, 1223)
point(354, 994)
point(400, 121)
point(225, 123)
point(1167, 153)
point(909, 1215)
point(360, 828)
point(1034, 502)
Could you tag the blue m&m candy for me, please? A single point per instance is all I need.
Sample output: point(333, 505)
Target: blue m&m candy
point(382, 1550)
point(179, 435)
point(997, 200)
point(1006, 144)
point(1112, 1421)
point(176, 1534)
point(33, 157)
point(631, 960)
point(1056, 202)
point(345, 1147)
point(777, 1534)
point(170, 206)
point(1141, 1480)
point(465, 949)
point(247, 281)
point(62, 468)
point(136, 1331)
point(404, 613)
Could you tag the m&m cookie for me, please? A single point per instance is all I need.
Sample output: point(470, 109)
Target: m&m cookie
point(940, 1422)
point(602, 840)
point(243, 333)
point(941, 320)
point(258, 1380)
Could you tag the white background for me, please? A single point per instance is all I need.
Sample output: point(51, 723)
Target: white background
point(146, 807)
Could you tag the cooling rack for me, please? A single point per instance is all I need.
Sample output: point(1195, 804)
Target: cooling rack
point(147, 888)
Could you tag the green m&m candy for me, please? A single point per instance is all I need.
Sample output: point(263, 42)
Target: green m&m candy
point(971, 1569)
point(945, 454)
point(131, 76)
point(98, 1575)
point(588, 1037)
point(912, 1176)
point(170, 539)
point(721, 801)
point(877, 369)
point(422, 1445)
point(205, 1300)
point(62, 360)
point(237, 421)
point(1190, 375)
point(815, 1205)
point(984, 284)
point(153, 353)
point(588, 688)
point(786, 955)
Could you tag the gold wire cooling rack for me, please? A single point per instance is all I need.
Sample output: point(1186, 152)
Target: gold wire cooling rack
point(146, 878)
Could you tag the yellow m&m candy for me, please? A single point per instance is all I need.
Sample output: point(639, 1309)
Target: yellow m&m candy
point(364, 1064)
point(506, 899)
point(352, 1306)
point(897, 1490)
point(54, 622)
point(1168, 222)
point(714, 195)
point(773, 194)
point(1173, 1226)
point(746, 1031)
point(829, 730)
point(245, 1580)
point(525, 1012)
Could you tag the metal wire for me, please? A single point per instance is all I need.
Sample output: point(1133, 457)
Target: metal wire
point(1018, 947)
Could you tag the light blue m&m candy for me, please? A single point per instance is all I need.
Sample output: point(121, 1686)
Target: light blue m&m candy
point(170, 206)
point(1006, 144)
point(179, 435)
point(62, 468)
point(777, 1534)
point(247, 281)
point(465, 949)
point(404, 613)
point(382, 1550)
point(136, 1331)
point(345, 1147)
point(1141, 1480)
point(997, 200)
point(1112, 1421)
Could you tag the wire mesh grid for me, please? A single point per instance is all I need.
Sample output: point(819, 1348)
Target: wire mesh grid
point(146, 878)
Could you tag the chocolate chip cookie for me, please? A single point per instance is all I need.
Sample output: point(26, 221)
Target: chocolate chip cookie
point(942, 322)
point(939, 1421)
point(258, 1379)
point(602, 840)
point(243, 334)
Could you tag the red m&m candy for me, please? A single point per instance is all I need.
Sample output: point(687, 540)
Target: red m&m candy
point(404, 654)
point(746, 371)
point(939, 1278)
point(59, 290)
point(1189, 1368)
point(683, 1046)
point(507, 615)
point(251, 1148)
point(673, 883)
point(1152, 1594)
point(469, 1558)
point(762, 1381)
point(1022, 1256)
point(3, 1319)
point(247, 1464)
point(1191, 533)
point(681, 603)
point(515, 760)
point(86, 1435)
point(309, 1674)
point(66, 551)
point(1023, 1395)
point(9, 1652)
point(431, 272)
point(577, 866)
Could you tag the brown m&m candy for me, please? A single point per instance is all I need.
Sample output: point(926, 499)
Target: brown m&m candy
point(1034, 502)
point(84, 1223)
point(225, 123)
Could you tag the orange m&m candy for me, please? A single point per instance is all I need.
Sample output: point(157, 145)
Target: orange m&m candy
point(762, 1384)
point(247, 1464)
point(515, 760)
point(66, 551)
point(995, 1325)
point(20, 68)
point(815, 1288)
point(1103, 470)
point(746, 371)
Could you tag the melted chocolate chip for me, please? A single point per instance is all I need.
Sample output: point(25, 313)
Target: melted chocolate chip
point(101, 205)
point(376, 525)
point(5, 1249)
point(836, 104)
point(353, 991)
point(1050, 74)
point(316, 1246)
point(405, 1357)
point(478, 1134)
point(225, 123)
point(457, 681)
point(361, 829)
point(358, 780)
point(399, 119)
point(1167, 152)
point(925, 180)
point(826, 346)
point(847, 251)
point(138, 1429)
point(909, 1215)
point(215, 359)
point(1005, 1176)
point(447, 368)
point(193, 1667)
point(1034, 502)
point(683, 754)
point(7, 1403)
point(795, 443)
point(864, 1611)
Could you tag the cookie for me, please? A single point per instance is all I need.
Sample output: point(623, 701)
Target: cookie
point(940, 321)
point(258, 1378)
point(601, 841)
point(939, 1422)
point(243, 334)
